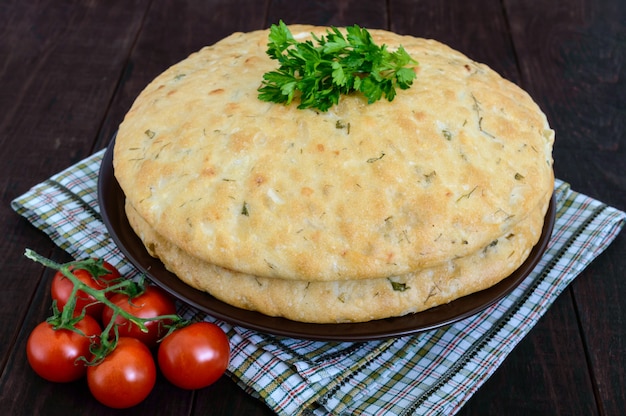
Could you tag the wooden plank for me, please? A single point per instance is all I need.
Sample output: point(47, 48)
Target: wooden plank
point(572, 57)
point(599, 295)
point(60, 100)
point(57, 78)
point(55, 85)
point(572, 63)
point(225, 398)
point(480, 30)
point(549, 375)
point(25, 393)
point(172, 31)
point(154, 52)
point(477, 29)
point(369, 14)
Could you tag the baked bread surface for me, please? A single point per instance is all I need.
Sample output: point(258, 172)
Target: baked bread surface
point(349, 300)
point(360, 192)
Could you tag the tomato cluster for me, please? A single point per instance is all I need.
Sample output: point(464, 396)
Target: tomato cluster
point(117, 334)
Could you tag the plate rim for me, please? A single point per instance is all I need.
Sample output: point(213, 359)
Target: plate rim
point(117, 225)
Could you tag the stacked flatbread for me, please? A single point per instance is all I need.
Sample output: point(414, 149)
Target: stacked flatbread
point(359, 213)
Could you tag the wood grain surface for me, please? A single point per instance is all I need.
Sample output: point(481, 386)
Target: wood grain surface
point(69, 70)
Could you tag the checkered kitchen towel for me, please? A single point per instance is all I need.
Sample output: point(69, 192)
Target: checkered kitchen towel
point(434, 372)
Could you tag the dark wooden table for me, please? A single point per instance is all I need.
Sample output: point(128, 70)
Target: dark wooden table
point(69, 70)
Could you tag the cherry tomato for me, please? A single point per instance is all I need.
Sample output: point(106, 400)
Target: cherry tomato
point(62, 287)
point(194, 356)
point(150, 304)
point(53, 354)
point(125, 377)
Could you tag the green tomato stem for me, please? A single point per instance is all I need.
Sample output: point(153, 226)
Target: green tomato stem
point(67, 320)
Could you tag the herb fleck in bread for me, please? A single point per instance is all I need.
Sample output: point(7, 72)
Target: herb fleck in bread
point(359, 193)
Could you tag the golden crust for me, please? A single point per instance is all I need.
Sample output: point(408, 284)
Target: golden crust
point(350, 300)
point(360, 192)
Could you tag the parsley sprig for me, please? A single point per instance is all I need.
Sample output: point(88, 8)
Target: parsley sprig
point(319, 73)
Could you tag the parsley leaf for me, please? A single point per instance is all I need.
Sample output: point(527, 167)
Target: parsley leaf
point(320, 70)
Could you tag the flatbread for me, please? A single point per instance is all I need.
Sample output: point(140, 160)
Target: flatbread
point(361, 192)
point(349, 300)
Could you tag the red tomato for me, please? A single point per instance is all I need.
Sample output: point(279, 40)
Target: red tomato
point(125, 377)
point(194, 356)
point(150, 304)
point(53, 354)
point(62, 287)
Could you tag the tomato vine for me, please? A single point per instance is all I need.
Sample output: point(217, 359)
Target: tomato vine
point(69, 316)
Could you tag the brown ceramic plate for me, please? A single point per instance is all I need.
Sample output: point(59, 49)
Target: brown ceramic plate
point(111, 199)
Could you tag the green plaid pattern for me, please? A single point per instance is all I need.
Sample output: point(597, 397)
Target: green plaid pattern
point(430, 373)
